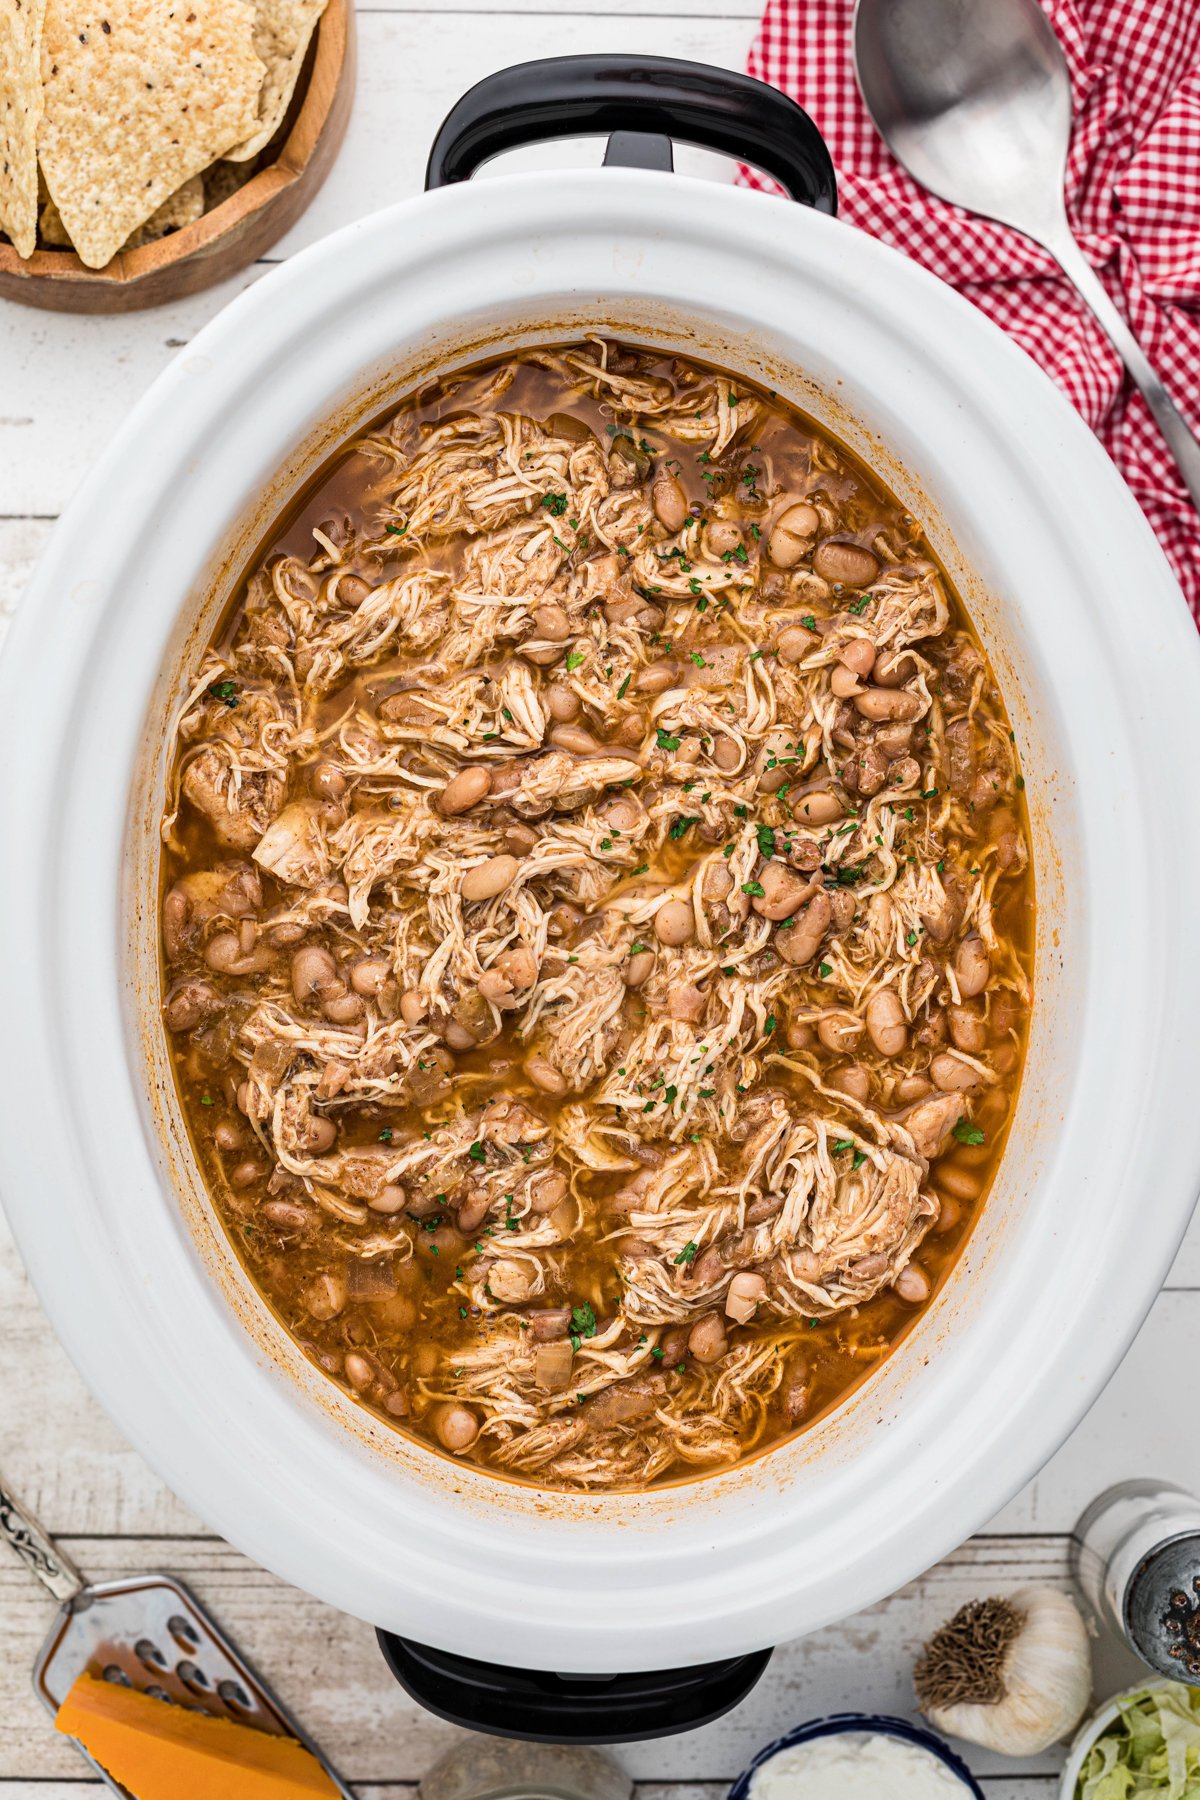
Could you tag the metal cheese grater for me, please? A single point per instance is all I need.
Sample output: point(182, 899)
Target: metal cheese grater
point(145, 1632)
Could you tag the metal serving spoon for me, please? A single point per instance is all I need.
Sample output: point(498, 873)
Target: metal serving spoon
point(973, 98)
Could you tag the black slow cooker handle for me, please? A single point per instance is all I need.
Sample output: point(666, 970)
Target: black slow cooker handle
point(544, 1708)
point(641, 103)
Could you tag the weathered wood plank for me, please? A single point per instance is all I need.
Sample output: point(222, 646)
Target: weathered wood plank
point(327, 1667)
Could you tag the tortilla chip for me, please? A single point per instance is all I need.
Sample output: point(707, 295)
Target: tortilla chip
point(140, 96)
point(20, 113)
point(282, 30)
point(181, 208)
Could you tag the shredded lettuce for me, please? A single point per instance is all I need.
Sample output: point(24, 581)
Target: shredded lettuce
point(1151, 1749)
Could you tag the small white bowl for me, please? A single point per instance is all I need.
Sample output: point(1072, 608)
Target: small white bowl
point(1093, 1728)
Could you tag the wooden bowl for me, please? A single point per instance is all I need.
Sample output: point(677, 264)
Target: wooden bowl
point(233, 234)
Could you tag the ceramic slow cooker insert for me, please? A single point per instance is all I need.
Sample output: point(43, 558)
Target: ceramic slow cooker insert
point(1097, 659)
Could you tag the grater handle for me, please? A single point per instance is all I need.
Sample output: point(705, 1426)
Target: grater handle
point(36, 1549)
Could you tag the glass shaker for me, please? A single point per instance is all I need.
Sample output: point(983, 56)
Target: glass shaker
point(491, 1768)
point(1136, 1558)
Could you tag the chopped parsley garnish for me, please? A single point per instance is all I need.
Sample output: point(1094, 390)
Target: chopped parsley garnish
point(766, 840)
point(968, 1134)
point(755, 888)
point(621, 690)
point(665, 741)
point(385, 1136)
point(771, 1023)
point(574, 658)
point(688, 1253)
point(683, 823)
point(224, 690)
point(555, 504)
point(476, 1152)
point(824, 970)
point(583, 1324)
point(396, 530)
point(843, 1144)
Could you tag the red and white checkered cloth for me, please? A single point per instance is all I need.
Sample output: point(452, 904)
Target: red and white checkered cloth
point(1133, 197)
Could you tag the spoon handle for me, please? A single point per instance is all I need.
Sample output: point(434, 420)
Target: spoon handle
point(1170, 421)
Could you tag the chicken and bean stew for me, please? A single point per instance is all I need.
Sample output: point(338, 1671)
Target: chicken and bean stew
point(597, 918)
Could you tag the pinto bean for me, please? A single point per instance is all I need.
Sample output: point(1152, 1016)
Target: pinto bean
point(746, 1291)
point(285, 1214)
point(799, 942)
point(792, 534)
point(706, 1340)
point(952, 1075)
point(369, 975)
point(783, 891)
point(313, 971)
point(858, 655)
point(794, 643)
point(910, 1088)
point(562, 702)
point(963, 1184)
point(840, 1031)
point(518, 966)
point(544, 1075)
point(456, 1427)
point(547, 1190)
point(458, 1037)
point(886, 1024)
point(820, 807)
point(342, 1008)
point(487, 879)
point(800, 1035)
point(552, 622)
point(972, 966)
point(894, 668)
point(413, 1006)
point(639, 968)
point(464, 790)
point(847, 563)
point(889, 703)
point(723, 537)
point(247, 1173)
point(190, 1004)
point(675, 923)
point(718, 882)
point(576, 739)
point(726, 752)
point(967, 1030)
point(669, 501)
point(854, 1079)
point(656, 678)
point(912, 1284)
point(325, 1296)
point(844, 683)
point(390, 1199)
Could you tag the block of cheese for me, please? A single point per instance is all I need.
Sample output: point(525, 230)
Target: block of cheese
point(162, 1752)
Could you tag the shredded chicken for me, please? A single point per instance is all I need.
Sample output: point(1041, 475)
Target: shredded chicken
point(597, 919)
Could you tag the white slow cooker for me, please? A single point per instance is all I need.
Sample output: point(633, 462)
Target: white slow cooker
point(1100, 666)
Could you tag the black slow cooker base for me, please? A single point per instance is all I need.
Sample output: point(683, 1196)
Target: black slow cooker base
point(544, 1708)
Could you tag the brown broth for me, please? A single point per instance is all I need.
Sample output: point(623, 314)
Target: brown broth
point(410, 1328)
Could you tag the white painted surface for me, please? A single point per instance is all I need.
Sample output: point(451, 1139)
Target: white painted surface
point(65, 384)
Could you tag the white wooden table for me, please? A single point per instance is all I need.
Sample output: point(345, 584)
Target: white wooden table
point(65, 384)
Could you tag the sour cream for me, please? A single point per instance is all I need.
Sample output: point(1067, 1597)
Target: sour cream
point(855, 1765)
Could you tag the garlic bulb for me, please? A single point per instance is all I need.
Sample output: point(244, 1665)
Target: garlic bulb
point(1012, 1674)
